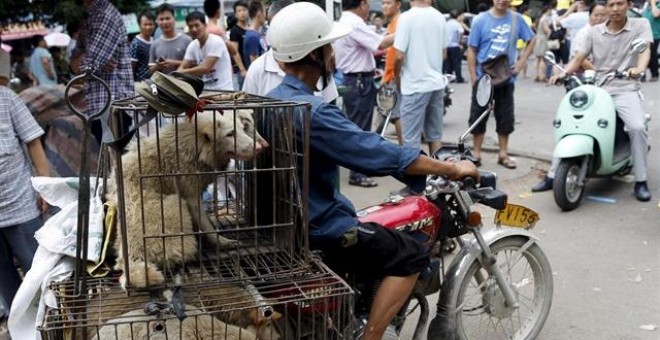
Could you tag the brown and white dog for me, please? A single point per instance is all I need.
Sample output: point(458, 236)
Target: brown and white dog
point(157, 178)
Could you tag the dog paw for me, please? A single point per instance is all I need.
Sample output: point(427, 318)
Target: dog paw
point(228, 243)
point(141, 278)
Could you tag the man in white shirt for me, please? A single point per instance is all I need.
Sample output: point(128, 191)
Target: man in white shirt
point(421, 40)
point(354, 56)
point(265, 73)
point(573, 21)
point(207, 56)
point(454, 60)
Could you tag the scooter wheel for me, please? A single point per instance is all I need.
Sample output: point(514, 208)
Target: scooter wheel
point(567, 186)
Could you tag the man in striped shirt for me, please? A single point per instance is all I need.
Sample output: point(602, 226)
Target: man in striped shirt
point(20, 206)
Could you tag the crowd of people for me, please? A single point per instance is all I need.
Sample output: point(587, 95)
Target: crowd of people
point(419, 46)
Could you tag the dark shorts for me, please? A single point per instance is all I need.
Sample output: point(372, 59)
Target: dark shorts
point(373, 250)
point(503, 111)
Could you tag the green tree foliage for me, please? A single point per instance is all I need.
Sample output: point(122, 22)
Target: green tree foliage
point(59, 11)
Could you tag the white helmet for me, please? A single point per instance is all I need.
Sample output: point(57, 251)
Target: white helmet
point(299, 29)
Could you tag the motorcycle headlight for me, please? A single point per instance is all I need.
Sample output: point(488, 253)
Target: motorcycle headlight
point(579, 99)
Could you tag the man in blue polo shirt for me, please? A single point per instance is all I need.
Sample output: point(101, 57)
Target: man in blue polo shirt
point(300, 36)
point(494, 33)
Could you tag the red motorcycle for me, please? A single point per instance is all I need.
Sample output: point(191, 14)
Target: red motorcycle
point(498, 286)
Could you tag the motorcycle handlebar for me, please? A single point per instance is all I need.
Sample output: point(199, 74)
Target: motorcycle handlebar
point(466, 183)
point(469, 182)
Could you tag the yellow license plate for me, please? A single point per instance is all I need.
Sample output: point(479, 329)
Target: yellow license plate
point(517, 216)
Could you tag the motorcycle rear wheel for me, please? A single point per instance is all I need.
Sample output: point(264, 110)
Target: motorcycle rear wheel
point(480, 309)
point(566, 187)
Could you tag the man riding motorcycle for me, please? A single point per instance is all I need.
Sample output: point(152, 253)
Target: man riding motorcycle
point(607, 43)
point(301, 37)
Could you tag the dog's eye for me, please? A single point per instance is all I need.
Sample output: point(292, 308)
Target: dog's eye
point(230, 134)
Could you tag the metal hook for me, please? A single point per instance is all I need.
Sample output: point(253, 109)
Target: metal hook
point(89, 73)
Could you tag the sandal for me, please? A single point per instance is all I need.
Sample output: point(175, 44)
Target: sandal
point(363, 181)
point(507, 162)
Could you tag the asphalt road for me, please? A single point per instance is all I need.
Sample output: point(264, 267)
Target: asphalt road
point(605, 257)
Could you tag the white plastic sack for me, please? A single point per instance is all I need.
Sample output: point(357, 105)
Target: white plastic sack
point(54, 260)
point(59, 233)
point(29, 306)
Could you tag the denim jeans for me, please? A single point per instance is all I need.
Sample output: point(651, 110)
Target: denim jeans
point(16, 241)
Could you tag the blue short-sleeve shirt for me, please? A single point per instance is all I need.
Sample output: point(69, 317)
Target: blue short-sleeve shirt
point(336, 141)
point(491, 36)
point(251, 46)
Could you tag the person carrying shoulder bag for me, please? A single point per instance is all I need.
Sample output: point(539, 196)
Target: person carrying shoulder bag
point(492, 50)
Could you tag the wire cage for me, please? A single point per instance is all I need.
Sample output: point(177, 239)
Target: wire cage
point(192, 212)
point(313, 305)
point(210, 239)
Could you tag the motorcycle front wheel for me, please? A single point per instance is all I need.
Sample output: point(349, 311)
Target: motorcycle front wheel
point(481, 311)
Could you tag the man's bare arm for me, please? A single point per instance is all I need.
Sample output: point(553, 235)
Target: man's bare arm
point(232, 48)
point(387, 42)
point(425, 165)
point(472, 63)
point(398, 63)
point(38, 158)
point(204, 68)
point(644, 58)
point(45, 61)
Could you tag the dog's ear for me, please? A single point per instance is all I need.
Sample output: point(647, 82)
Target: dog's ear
point(247, 120)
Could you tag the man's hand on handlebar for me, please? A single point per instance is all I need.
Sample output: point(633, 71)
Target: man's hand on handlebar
point(555, 79)
point(464, 169)
point(634, 73)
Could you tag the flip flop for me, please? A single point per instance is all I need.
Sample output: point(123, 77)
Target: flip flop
point(363, 181)
point(507, 162)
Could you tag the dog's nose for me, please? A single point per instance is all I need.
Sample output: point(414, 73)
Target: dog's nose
point(264, 144)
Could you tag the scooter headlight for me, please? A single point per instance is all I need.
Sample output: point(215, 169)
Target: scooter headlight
point(579, 99)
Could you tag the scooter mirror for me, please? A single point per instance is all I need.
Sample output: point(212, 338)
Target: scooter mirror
point(484, 90)
point(638, 46)
point(549, 57)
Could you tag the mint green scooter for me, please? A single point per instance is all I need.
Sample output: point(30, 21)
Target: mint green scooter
point(590, 138)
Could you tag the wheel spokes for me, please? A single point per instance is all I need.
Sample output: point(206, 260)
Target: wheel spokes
point(489, 321)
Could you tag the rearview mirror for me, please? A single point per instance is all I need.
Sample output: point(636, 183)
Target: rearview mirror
point(386, 98)
point(484, 91)
point(638, 46)
point(549, 57)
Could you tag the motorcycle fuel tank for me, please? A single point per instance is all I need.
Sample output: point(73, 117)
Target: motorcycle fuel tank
point(413, 214)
